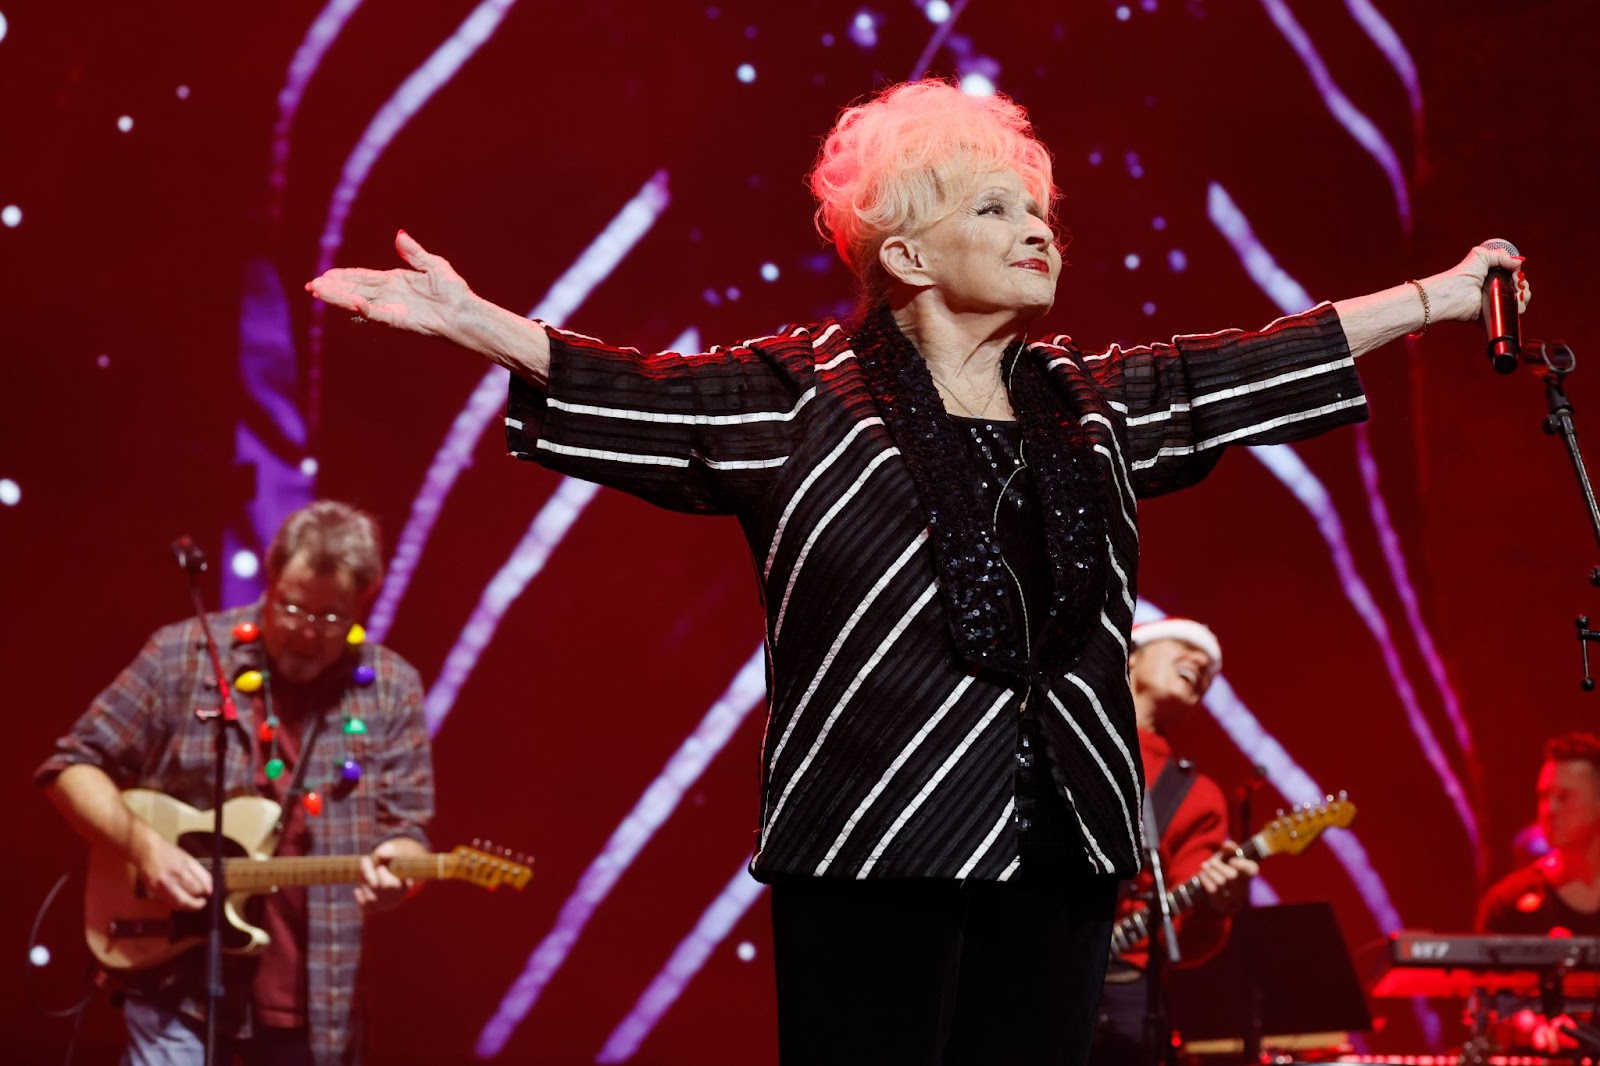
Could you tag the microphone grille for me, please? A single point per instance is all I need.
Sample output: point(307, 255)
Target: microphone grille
point(1502, 244)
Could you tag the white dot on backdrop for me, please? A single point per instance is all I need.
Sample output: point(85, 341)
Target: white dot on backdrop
point(937, 11)
point(11, 215)
point(769, 271)
point(1149, 307)
point(125, 123)
point(976, 84)
point(308, 467)
point(1095, 157)
point(39, 955)
point(732, 292)
point(1177, 260)
point(2, 27)
point(102, 361)
point(1123, 14)
point(1131, 261)
point(746, 951)
point(245, 564)
point(10, 492)
point(746, 73)
point(864, 29)
point(1158, 223)
point(183, 92)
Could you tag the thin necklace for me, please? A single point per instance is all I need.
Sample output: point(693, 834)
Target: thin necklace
point(993, 392)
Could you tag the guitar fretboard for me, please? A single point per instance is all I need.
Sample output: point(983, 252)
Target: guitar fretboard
point(1135, 928)
point(242, 874)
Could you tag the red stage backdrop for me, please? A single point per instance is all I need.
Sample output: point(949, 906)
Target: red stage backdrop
point(1396, 600)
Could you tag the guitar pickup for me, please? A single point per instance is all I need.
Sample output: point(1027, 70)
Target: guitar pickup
point(139, 927)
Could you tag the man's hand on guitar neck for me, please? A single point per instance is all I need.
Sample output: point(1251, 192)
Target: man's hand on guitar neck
point(1226, 878)
point(380, 889)
point(169, 874)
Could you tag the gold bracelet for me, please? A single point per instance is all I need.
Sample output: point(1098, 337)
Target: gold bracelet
point(1427, 312)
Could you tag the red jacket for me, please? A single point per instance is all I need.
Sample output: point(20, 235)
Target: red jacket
point(1196, 832)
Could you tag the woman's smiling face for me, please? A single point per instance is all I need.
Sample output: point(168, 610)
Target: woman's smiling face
point(994, 252)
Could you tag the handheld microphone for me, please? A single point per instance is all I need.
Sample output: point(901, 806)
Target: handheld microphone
point(189, 555)
point(1500, 314)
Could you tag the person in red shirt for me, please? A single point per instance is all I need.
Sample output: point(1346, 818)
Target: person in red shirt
point(1559, 893)
point(1172, 664)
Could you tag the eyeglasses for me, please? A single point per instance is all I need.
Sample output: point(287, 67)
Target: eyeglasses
point(327, 625)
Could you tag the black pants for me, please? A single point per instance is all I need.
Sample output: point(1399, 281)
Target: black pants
point(939, 973)
point(1122, 1037)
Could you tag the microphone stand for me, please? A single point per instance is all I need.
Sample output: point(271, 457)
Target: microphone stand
point(1252, 1036)
point(1559, 361)
point(193, 561)
point(1157, 1030)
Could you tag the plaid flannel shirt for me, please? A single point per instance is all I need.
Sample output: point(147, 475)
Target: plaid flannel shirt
point(144, 733)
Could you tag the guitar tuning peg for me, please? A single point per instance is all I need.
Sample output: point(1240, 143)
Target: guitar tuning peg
point(476, 842)
point(1280, 812)
point(1328, 798)
point(1343, 795)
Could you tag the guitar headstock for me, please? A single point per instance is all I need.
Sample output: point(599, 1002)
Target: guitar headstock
point(1292, 832)
point(489, 867)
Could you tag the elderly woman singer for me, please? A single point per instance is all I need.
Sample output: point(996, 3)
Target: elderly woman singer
point(942, 517)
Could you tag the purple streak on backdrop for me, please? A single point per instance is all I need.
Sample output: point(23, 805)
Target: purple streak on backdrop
point(325, 29)
point(1394, 554)
point(1285, 464)
point(718, 920)
point(487, 400)
point(1358, 125)
point(744, 694)
point(412, 96)
point(1382, 35)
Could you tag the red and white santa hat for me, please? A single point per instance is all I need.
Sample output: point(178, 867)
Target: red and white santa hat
point(1185, 629)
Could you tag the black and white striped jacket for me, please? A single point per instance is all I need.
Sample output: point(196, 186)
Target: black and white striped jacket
point(889, 752)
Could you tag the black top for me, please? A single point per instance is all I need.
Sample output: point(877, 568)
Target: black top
point(1526, 903)
point(1050, 847)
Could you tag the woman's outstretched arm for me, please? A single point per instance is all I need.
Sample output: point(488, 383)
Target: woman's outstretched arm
point(427, 296)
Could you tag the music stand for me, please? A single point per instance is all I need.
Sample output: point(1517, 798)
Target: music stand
point(1283, 972)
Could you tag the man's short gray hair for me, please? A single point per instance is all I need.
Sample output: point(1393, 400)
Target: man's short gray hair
point(333, 537)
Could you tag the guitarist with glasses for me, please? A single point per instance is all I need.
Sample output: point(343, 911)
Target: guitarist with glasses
point(1172, 664)
point(330, 728)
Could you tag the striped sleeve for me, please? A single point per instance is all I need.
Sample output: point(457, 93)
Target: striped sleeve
point(700, 433)
point(1188, 399)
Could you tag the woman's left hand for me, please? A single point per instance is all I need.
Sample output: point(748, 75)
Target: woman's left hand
point(1458, 293)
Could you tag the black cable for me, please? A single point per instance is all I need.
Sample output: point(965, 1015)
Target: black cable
point(76, 1011)
point(33, 942)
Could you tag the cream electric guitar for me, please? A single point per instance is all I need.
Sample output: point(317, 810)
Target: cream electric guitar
point(1288, 834)
point(127, 930)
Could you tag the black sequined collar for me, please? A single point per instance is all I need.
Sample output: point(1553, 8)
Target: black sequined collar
point(1069, 480)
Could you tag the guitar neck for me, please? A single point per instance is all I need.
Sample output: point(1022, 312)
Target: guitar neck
point(263, 874)
point(1135, 928)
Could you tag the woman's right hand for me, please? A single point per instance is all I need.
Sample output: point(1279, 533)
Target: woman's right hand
point(425, 296)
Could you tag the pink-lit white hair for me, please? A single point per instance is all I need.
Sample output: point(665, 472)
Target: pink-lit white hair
point(903, 160)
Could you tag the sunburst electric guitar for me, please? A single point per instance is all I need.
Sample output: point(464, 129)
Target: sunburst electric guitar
point(127, 930)
point(1289, 834)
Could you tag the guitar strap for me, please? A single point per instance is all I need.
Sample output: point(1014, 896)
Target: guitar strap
point(295, 791)
point(1167, 794)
